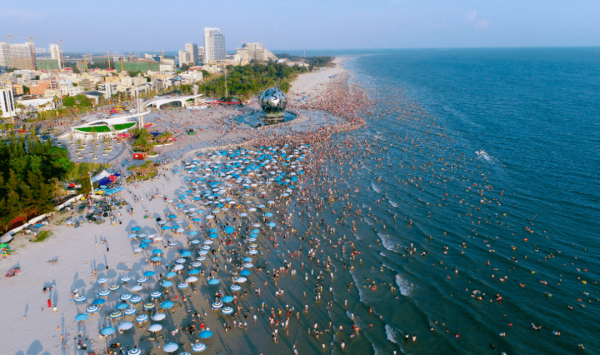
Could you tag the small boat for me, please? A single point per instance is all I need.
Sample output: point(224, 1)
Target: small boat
point(12, 272)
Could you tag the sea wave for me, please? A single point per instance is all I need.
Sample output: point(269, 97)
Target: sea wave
point(386, 242)
point(391, 334)
point(375, 187)
point(403, 285)
point(394, 204)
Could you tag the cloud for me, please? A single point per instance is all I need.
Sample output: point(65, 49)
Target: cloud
point(483, 24)
point(18, 14)
point(470, 16)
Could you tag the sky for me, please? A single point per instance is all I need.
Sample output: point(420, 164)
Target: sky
point(149, 25)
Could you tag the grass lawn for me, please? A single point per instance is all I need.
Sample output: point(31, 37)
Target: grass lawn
point(43, 235)
point(96, 129)
point(119, 127)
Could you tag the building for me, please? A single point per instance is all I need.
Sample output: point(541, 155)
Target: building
point(254, 51)
point(192, 49)
point(48, 64)
point(18, 89)
point(200, 55)
point(17, 55)
point(7, 102)
point(55, 54)
point(184, 57)
point(214, 45)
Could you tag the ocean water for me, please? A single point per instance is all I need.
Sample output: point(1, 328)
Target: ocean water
point(486, 163)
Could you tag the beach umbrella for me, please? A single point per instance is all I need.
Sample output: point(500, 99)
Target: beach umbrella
point(157, 251)
point(182, 285)
point(227, 299)
point(247, 259)
point(196, 220)
point(134, 351)
point(149, 273)
point(155, 327)
point(165, 228)
point(205, 334)
point(158, 317)
point(125, 297)
point(202, 258)
point(227, 310)
point(180, 261)
point(103, 293)
point(170, 347)
point(217, 305)
point(80, 299)
point(130, 311)
point(213, 282)
point(149, 306)
point(194, 271)
point(253, 252)
point(167, 304)
point(99, 301)
point(81, 317)
point(107, 331)
point(114, 287)
point(198, 347)
point(247, 265)
point(156, 258)
point(202, 252)
point(136, 229)
point(254, 231)
point(102, 281)
point(131, 236)
point(141, 280)
point(141, 318)
point(139, 250)
point(244, 272)
point(178, 267)
point(161, 223)
point(213, 236)
point(206, 247)
point(268, 214)
point(170, 274)
point(210, 216)
point(253, 236)
point(115, 315)
point(171, 216)
point(121, 306)
point(125, 325)
point(196, 264)
point(195, 241)
point(192, 233)
point(155, 294)
point(136, 288)
point(241, 279)
point(167, 284)
point(135, 299)
point(191, 279)
point(208, 242)
point(172, 244)
point(271, 224)
point(229, 229)
point(92, 309)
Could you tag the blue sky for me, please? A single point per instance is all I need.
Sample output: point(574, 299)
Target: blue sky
point(284, 24)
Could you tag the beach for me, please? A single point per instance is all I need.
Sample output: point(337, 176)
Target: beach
point(90, 251)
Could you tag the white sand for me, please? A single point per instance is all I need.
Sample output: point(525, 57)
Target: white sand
point(21, 296)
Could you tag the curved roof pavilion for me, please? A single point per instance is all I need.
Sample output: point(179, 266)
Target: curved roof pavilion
point(158, 101)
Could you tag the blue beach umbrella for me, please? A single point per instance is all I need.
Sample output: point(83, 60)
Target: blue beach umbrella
point(167, 304)
point(172, 216)
point(167, 284)
point(213, 282)
point(229, 230)
point(186, 253)
point(115, 315)
point(192, 233)
point(213, 236)
point(136, 228)
point(268, 214)
point(247, 259)
point(149, 273)
point(227, 310)
point(156, 258)
point(165, 227)
point(92, 309)
point(170, 274)
point(157, 251)
point(80, 299)
point(81, 317)
point(156, 294)
point(122, 306)
point(107, 331)
point(203, 334)
point(143, 246)
point(194, 272)
point(245, 272)
point(141, 318)
point(99, 301)
point(131, 236)
point(149, 306)
point(196, 220)
point(227, 299)
point(213, 230)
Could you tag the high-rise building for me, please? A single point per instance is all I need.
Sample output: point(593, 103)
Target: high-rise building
point(55, 54)
point(17, 55)
point(214, 45)
point(184, 57)
point(201, 54)
point(192, 49)
point(7, 102)
point(254, 51)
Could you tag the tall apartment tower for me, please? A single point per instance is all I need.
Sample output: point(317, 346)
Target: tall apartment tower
point(17, 55)
point(214, 44)
point(192, 49)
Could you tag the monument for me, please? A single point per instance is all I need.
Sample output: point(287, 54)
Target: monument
point(273, 102)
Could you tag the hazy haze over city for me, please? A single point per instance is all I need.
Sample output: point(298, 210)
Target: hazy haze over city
point(325, 24)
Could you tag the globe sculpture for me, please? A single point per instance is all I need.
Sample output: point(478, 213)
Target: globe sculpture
point(273, 101)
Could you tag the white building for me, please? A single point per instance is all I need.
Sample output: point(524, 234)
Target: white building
point(192, 49)
point(55, 54)
point(184, 58)
point(7, 102)
point(214, 45)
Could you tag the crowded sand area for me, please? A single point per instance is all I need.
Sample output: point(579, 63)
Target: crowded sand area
point(38, 304)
